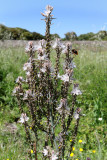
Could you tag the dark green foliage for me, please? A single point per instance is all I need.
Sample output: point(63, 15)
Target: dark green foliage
point(7, 33)
point(87, 36)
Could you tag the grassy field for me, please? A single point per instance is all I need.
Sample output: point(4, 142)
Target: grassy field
point(90, 74)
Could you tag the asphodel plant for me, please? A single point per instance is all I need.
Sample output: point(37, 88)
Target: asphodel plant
point(42, 96)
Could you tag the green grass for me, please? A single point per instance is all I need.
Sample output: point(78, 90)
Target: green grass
point(90, 74)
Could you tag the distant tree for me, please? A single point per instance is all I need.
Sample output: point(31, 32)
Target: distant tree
point(37, 36)
point(53, 36)
point(87, 36)
point(70, 36)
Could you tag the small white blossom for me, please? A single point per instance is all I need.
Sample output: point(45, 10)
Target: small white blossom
point(54, 156)
point(65, 78)
point(19, 79)
point(48, 11)
point(100, 119)
point(77, 113)
point(58, 44)
point(76, 90)
point(30, 47)
point(63, 107)
point(17, 90)
point(43, 57)
point(23, 118)
point(45, 152)
point(27, 67)
point(28, 94)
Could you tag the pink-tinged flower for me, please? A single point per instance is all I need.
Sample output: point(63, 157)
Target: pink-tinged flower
point(54, 156)
point(77, 113)
point(23, 118)
point(45, 152)
point(30, 47)
point(17, 90)
point(76, 90)
point(27, 67)
point(46, 65)
point(66, 77)
point(43, 57)
point(63, 107)
point(19, 79)
point(68, 44)
point(58, 44)
point(48, 11)
point(28, 94)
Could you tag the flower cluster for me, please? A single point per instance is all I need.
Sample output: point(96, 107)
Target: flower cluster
point(44, 94)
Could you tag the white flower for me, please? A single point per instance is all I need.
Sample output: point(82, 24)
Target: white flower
point(76, 91)
point(23, 118)
point(58, 44)
point(19, 79)
point(45, 152)
point(76, 116)
point(54, 156)
point(65, 78)
point(63, 107)
point(48, 11)
point(27, 67)
point(16, 90)
point(44, 57)
point(100, 119)
point(30, 47)
point(77, 113)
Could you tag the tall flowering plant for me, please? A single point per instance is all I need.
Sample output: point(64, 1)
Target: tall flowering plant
point(43, 98)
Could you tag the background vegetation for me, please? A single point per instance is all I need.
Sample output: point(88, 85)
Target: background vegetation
point(91, 75)
point(7, 33)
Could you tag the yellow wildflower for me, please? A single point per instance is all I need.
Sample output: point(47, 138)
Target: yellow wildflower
point(73, 148)
point(72, 154)
point(94, 151)
point(76, 159)
point(30, 127)
point(70, 140)
point(80, 141)
point(7, 159)
point(81, 150)
point(31, 151)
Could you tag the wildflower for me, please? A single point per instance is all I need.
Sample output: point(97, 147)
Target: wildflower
point(17, 90)
point(81, 150)
point(23, 118)
point(19, 79)
point(94, 151)
point(48, 11)
point(30, 47)
point(72, 154)
point(73, 148)
point(88, 158)
point(65, 50)
point(7, 159)
point(70, 140)
point(30, 127)
point(58, 44)
point(27, 67)
point(77, 113)
point(63, 106)
point(31, 151)
point(54, 156)
point(76, 91)
point(42, 57)
point(80, 141)
point(28, 94)
point(45, 152)
point(100, 119)
point(76, 159)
